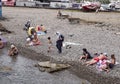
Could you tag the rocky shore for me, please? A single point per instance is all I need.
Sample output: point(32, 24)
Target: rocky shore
point(96, 37)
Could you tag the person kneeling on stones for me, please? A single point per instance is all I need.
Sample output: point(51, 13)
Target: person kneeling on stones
point(13, 50)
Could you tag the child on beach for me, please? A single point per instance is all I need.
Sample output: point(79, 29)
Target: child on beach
point(13, 50)
point(49, 44)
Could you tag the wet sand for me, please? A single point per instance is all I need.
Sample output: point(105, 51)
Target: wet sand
point(95, 37)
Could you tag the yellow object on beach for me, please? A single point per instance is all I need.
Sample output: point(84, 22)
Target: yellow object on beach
point(29, 30)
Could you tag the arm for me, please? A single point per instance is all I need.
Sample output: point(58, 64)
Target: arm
point(10, 52)
point(86, 57)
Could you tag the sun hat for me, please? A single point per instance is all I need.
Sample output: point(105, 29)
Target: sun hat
point(58, 33)
point(12, 46)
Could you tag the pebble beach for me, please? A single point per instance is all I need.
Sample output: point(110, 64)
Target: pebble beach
point(98, 37)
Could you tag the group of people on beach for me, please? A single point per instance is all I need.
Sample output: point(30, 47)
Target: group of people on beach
point(101, 60)
point(32, 38)
point(32, 33)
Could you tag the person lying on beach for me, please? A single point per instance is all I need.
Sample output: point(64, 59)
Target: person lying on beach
point(86, 55)
point(102, 56)
point(13, 50)
point(1, 44)
point(43, 28)
point(96, 55)
point(103, 65)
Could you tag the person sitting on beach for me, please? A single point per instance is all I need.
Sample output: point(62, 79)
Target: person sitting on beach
point(35, 40)
point(102, 56)
point(86, 55)
point(31, 32)
point(59, 13)
point(49, 44)
point(112, 62)
point(13, 50)
point(1, 44)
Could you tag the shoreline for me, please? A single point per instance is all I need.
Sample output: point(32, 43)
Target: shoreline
point(86, 73)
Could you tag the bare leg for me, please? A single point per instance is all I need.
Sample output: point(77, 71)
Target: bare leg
point(91, 62)
point(82, 57)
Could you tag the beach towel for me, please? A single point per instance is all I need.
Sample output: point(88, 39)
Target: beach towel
point(71, 43)
point(40, 33)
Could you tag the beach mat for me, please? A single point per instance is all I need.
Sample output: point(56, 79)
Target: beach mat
point(40, 33)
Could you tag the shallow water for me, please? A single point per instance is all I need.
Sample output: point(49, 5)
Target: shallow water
point(24, 72)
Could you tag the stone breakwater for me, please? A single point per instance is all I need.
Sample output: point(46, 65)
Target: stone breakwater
point(95, 37)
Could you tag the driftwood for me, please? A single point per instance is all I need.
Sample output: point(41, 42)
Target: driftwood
point(51, 67)
point(74, 20)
